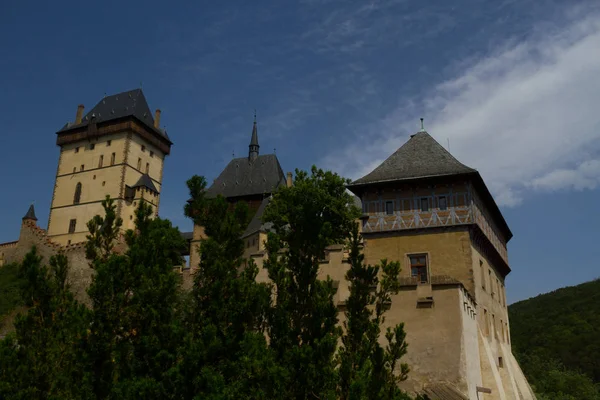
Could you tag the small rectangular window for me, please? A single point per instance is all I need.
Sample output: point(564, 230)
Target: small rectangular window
point(82, 167)
point(442, 204)
point(482, 274)
point(143, 148)
point(112, 158)
point(424, 204)
point(139, 164)
point(72, 224)
point(108, 143)
point(151, 154)
point(389, 207)
point(487, 322)
point(418, 267)
point(92, 146)
point(147, 168)
point(76, 149)
point(101, 161)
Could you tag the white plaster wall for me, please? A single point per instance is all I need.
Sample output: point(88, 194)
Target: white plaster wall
point(470, 346)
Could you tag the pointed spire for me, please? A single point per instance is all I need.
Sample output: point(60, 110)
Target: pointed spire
point(422, 126)
point(253, 152)
point(30, 214)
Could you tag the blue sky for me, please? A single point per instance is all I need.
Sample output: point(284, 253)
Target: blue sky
point(511, 85)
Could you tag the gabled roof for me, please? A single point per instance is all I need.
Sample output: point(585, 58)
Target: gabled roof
point(126, 104)
point(146, 181)
point(422, 156)
point(30, 214)
point(243, 177)
point(256, 225)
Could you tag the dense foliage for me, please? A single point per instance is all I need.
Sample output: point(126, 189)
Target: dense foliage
point(231, 337)
point(555, 337)
point(9, 289)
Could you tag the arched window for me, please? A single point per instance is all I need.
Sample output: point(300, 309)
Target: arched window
point(77, 196)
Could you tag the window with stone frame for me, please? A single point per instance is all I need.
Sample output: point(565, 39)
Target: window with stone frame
point(147, 168)
point(100, 161)
point(113, 156)
point(72, 225)
point(419, 268)
point(139, 164)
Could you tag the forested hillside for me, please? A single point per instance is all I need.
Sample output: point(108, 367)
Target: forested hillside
point(556, 337)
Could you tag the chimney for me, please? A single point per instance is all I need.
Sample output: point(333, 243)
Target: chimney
point(289, 179)
point(157, 118)
point(79, 115)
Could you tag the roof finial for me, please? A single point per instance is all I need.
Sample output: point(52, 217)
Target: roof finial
point(274, 150)
point(253, 148)
point(233, 154)
point(422, 126)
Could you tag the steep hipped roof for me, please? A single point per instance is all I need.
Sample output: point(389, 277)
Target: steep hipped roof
point(30, 214)
point(126, 104)
point(422, 156)
point(256, 225)
point(243, 177)
point(146, 181)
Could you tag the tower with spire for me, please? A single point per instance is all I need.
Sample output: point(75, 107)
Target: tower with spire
point(250, 179)
point(254, 146)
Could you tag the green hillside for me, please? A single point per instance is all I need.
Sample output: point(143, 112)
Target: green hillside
point(556, 337)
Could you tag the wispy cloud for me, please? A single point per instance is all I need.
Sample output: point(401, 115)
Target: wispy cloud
point(525, 115)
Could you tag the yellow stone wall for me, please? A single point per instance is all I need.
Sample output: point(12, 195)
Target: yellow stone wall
point(448, 251)
point(100, 179)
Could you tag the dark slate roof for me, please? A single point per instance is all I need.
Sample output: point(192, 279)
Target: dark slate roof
point(256, 225)
point(30, 213)
point(126, 104)
point(146, 182)
point(241, 177)
point(422, 156)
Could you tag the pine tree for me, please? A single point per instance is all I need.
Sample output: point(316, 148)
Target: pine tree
point(135, 330)
point(307, 217)
point(45, 357)
point(366, 370)
point(225, 353)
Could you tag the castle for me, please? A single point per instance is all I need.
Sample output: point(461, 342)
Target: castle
point(421, 206)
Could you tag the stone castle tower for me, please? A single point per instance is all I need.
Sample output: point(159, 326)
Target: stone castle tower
point(116, 149)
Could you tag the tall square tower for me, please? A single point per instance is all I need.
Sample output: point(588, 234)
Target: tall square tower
point(116, 149)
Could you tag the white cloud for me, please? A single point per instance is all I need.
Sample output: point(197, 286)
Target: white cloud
point(527, 116)
point(585, 176)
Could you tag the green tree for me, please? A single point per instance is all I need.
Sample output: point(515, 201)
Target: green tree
point(366, 370)
point(135, 328)
point(104, 232)
point(225, 353)
point(314, 213)
point(45, 357)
